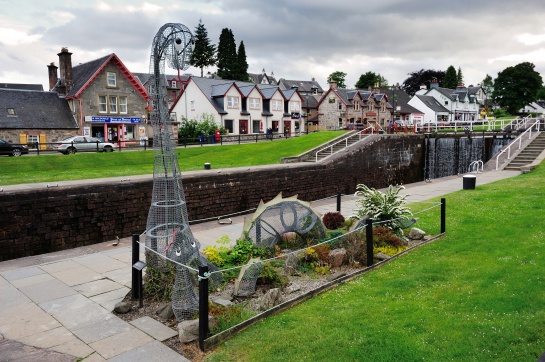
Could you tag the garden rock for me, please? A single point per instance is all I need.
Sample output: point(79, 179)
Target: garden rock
point(122, 307)
point(334, 276)
point(165, 311)
point(222, 302)
point(381, 256)
point(188, 331)
point(272, 298)
point(337, 257)
point(292, 288)
point(416, 234)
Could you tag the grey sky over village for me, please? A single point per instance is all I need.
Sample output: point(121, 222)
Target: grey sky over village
point(295, 39)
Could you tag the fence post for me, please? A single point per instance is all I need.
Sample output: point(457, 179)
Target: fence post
point(339, 202)
point(203, 305)
point(135, 258)
point(443, 215)
point(369, 241)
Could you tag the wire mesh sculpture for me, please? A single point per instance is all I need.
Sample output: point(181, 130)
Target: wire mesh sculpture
point(168, 235)
point(268, 224)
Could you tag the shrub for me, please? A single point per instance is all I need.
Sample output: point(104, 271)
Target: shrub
point(333, 220)
point(158, 282)
point(385, 207)
point(384, 236)
point(271, 276)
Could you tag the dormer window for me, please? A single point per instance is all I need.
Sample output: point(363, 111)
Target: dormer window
point(11, 112)
point(173, 84)
point(232, 102)
point(112, 79)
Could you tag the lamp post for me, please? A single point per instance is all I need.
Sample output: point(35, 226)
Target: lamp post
point(394, 101)
point(313, 89)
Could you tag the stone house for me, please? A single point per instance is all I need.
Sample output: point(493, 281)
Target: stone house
point(36, 118)
point(106, 99)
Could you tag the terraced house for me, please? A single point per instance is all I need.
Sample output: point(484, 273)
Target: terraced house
point(241, 107)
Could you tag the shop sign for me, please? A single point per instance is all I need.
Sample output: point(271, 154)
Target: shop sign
point(105, 119)
point(370, 114)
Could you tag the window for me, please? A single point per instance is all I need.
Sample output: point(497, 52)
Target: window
point(102, 107)
point(315, 90)
point(254, 103)
point(112, 81)
point(294, 106)
point(113, 104)
point(123, 105)
point(446, 103)
point(11, 111)
point(192, 105)
point(173, 84)
point(276, 105)
point(32, 140)
point(232, 102)
point(356, 105)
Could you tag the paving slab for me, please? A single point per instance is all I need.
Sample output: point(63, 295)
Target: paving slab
point(47, 290)
point(99, 262)
point(97, 287)
point(150, 352)
point(16, 351)
point(49, 338)
point(122, 276)
point(74, 347)
point(3, 281)
point(76, 276)
point(114, 295)
point(25, 320)
point(102, 329)
point(58, 266)
point(119, 343)
point(76, 312)
point(154, 328)
point(11, 297)
point(15, 274)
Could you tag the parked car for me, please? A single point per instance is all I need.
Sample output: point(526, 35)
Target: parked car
point(83, 144)
point(10, 149)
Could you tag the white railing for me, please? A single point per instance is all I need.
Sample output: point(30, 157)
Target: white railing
point(524, 135)
point(475, 165)
point(359, 134)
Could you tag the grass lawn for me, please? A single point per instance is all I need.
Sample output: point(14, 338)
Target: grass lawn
point(478, 294)
point(57, 167)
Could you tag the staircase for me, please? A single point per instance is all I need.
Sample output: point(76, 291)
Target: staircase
point(528, 154)
point(336, 147)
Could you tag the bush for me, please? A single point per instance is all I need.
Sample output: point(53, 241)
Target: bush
point(333, 220)
point(203, 126)
point(271, 276)
point(383, 236)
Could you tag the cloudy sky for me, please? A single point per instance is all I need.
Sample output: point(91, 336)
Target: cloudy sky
point(295, 39)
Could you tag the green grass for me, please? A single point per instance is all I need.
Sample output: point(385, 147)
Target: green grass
point(475, 295)
point(57, 167)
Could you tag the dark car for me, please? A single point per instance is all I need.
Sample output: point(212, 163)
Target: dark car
point(10, 149)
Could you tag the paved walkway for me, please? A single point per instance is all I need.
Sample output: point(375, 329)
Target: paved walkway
point(58, 306)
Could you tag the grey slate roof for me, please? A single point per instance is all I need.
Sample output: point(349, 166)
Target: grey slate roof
point(303, 86)
point(35, 110)
point(83, 72)
point(431, 103)
point(35, 87)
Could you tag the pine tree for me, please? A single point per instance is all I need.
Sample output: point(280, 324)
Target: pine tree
point(203, 53)
point(227, 55)
point(451, 80)
point(459, 77)
point(242, 64)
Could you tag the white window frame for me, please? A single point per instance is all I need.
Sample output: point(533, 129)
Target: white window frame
point(173, 85)
point(123, 105)
point(192, 105)
point(295, 106)
point(232, 102)
point(111, 79)
point(255, 103)
point(102, 104)
point(112, 104)
point(276, 105)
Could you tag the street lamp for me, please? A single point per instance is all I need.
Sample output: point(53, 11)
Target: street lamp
point(394, 101)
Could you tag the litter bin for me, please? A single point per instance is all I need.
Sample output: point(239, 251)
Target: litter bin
point(469, 182)
point(207, 166)
point(211, 138)
point(201, 139)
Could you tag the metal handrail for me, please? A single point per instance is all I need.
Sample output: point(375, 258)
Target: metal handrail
point(475, 165)
point(345, 140)
point(519, 140)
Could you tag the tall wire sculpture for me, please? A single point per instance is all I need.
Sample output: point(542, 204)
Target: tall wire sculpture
point(168, 235)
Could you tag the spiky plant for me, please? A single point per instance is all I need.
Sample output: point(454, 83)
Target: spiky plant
point(386, 207)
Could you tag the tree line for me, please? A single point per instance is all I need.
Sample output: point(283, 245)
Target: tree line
point(230, 63)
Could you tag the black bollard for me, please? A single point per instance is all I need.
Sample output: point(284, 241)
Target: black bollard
point(339, 202)
point(369, 241)
point(135, 258)
point(443, 215)
point(203, 305)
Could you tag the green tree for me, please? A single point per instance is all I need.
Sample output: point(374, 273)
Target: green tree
point(382, 82)
point(338, 77)
point(517, 86)
point(541, 94)
point(242, 64)
point(488, 87)
point(451, 79)
point(203, 53)
point(227, 55)
point(367, 80)
point(459, 77)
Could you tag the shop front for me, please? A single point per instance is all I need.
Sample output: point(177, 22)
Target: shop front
point(115, 129)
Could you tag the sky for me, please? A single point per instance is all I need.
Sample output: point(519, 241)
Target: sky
point(294, 39)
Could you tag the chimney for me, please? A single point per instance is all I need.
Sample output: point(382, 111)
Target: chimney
point(423, 86)
point(377, 88)
point(65, 65)
point(434, 83)
point(332, 84)
point(52, 70)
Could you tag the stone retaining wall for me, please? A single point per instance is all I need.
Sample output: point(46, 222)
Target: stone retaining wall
point(38, 221)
